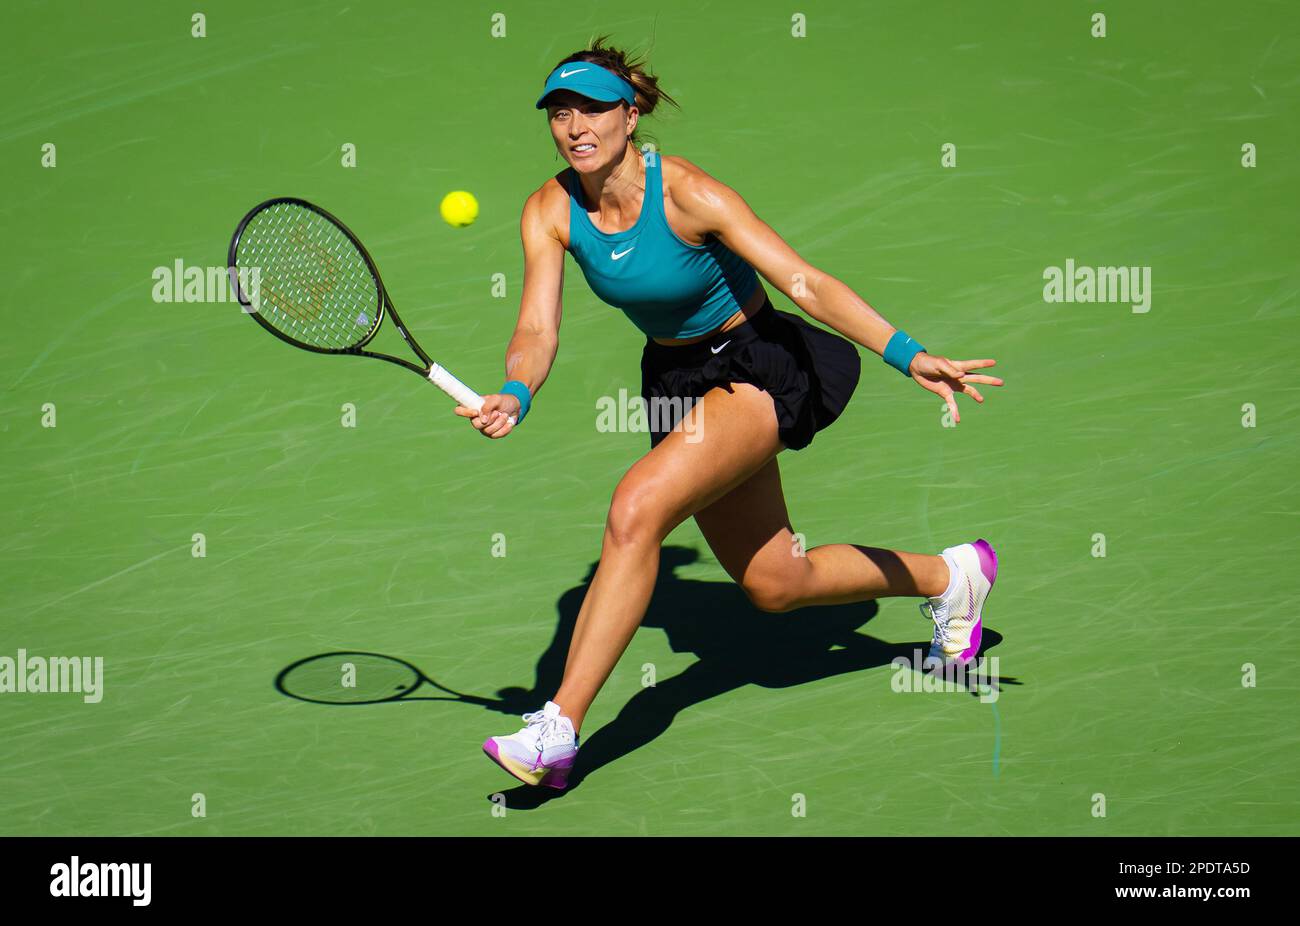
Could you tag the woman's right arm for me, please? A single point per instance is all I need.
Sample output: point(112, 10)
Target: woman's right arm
point(536, 338)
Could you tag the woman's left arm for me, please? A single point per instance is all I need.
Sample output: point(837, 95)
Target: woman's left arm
point(724, 213)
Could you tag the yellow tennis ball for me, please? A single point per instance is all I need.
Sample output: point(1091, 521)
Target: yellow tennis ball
point(459, 208)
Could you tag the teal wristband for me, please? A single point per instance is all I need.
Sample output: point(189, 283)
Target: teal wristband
point(517, 389)
point(900, 350)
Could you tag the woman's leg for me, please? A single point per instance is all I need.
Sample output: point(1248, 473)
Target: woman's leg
point(737, 435)
point(749, 531)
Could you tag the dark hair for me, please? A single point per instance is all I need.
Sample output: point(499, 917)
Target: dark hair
point(630, 68)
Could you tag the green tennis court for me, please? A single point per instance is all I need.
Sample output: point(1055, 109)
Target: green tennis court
point(1159, 676)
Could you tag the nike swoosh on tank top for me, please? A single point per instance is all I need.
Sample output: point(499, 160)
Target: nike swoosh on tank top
point(668, 288)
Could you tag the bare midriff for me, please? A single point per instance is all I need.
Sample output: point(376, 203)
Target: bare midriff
point(742, 315)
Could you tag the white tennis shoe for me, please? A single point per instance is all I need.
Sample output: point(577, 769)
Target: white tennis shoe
point(542, 753)
point(958, 617)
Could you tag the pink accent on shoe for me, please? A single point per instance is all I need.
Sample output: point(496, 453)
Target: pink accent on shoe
point(976, 635)
point(989, 567)
point(988, 560)
point(558, 776)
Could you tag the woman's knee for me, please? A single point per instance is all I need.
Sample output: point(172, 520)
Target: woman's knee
point(771, 592)
point(636, 514)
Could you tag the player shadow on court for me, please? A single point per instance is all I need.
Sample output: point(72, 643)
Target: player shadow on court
point(737, 645)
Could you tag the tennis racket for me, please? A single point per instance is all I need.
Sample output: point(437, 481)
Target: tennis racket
point(308, 280)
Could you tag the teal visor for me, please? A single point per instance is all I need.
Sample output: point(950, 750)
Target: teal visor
point(590, 80)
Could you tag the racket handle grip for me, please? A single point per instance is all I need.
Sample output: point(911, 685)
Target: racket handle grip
point(449, 384)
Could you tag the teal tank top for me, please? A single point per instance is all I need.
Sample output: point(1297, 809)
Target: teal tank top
point(668, 288)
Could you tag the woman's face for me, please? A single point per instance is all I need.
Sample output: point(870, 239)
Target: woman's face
point(589, 133)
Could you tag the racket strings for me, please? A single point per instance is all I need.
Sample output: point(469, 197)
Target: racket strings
point(312, 283)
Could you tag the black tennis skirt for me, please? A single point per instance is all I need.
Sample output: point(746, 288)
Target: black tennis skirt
point(809, 372)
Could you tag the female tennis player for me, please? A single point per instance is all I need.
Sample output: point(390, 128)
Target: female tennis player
point(728, 380)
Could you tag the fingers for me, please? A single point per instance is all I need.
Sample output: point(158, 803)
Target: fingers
point(497, 424)
point(946, 367)
point(956, 370)
point(981, 379)
point(492, 423)
point(941, 389)
point(491, 419)
point(476, 418)
point(947, 378)
point(965, 365)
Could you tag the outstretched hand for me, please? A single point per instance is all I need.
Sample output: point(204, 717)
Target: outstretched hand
point(946, 378)
point(496, 418)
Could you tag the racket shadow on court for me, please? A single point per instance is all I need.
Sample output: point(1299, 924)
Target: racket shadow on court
point(353, 677)
point(737, 645)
